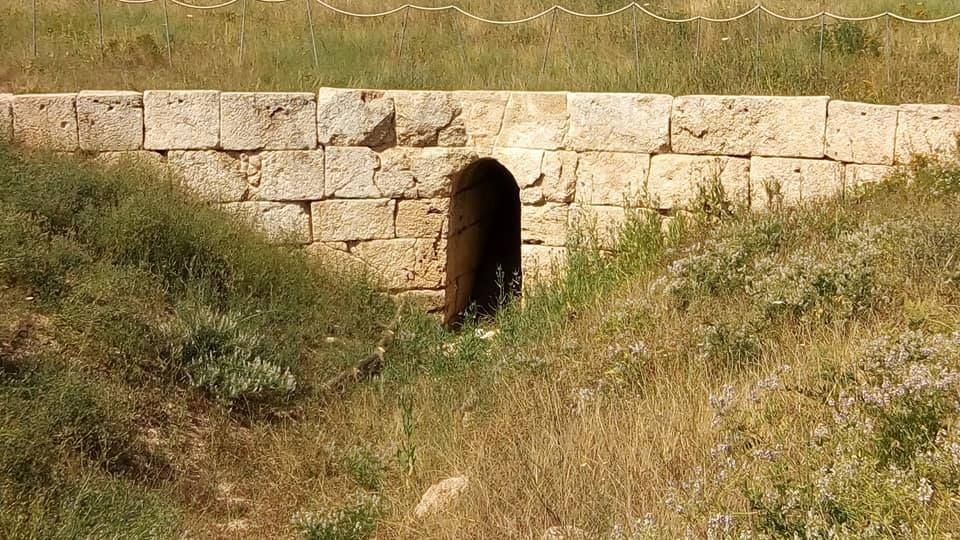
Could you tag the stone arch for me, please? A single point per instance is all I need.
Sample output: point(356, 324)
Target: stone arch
point(483, 243)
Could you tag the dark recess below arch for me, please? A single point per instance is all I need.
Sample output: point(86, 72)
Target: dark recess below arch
point(483, 244)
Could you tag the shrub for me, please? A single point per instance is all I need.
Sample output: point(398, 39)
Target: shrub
point(356, 520)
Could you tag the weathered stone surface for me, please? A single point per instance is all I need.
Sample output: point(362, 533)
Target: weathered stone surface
point(541, 262)
point(927, 129)
point(405, 263)
point(291, 175)
point(559, 176)
point(355, 118)
point(349, 172)
point(860, 132)
point(787, 181)
point(481, 113)
point(611, 178)
point(855, 176)
point(335, 256)
point(441, 495)
point(212, 176)
point(6, 117)
point(599, 225)
point(523, 163)
point(287, 223)
point(749, 125)
point(139, 157)
point(534, 120)
point(110, 121)
point(181, 119)
point(47, 121)
point(268, 120)
point(348, 220)
point(421, 173)
point(675, 179)
point(426, 118)
point(422, 218)
point(429, 300)
point(637, 123)
point(544, 225)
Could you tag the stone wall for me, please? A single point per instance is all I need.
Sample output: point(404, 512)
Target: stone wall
point(364, 176)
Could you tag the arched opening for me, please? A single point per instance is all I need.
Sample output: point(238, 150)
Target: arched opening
point(483, 241)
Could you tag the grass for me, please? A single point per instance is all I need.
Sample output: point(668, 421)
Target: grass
point(865, 61)
point(785, 373)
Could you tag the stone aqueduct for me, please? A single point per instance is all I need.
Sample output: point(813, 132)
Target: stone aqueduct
point(428, 188)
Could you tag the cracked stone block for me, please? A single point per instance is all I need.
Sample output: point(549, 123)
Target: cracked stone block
point(181, 119)
point(675, 180)
point(110, 121)
point(927, 129)
point(405, 263)
point(268, 121)
point(422, 218)
point(749, 126)
point(559, 181)
point(481, 113)
point(47, 121)
point(611, 178)
point(637, 123)
point(355, 118)
point(427, 118)
point(545, 224)
point(534, 120)
point(292, 175)
point(6, 117)
point(340, 220)
point(777, 181)
point(861, 133)
point(212, 176)
point(283, 223)
point(349, 173)
point(421, 173)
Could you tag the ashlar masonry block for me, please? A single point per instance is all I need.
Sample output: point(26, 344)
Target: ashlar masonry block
point(481, 114)
point(545, 224)
point(422, 218)
point(788, 181)
point(405, 263)
point(675, 179)
point(427, 118)
point(534, 120)
point(291, 175)
point(181, 119)
point(47, 121)
point(355, 118)
point(286, 223)
point(861, 132)
point(749, 126)
point(927, 129)
point(637, 123)
point(349, 173)
point(268, 121)
point(339, 220)
point(856, 175)
point(421, 173)
point(611, 178)
point(212, 176)
point(110, 121)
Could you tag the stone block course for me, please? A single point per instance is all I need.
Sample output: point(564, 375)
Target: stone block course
point(6, 118)
point(545, 224)
point(481, 114)
point(675, 179)
point(268, 121)
point(619, 122)
point(349, 173)
point(212, 176)
point(426, 118)
point(421, 173)
point(610, 178)
point(287, 223)
point(789, 181)
point(422, 218)
point(405, 263)
point(291, 175)
point(927, 129)
point(534, 120)
point(47, 121)
point(355, 118)
point(749, 126)
point(110, 121)
point(339, 220)
point(181, 119)
point(861, 133)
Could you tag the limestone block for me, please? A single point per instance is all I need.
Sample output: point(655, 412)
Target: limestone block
point(861, 133)
point(268, 121)
point(545, 224)
point(212, 176)
point(611, 178)
point(287, 223)
point(139, 157)
point(788, 181)
point(330, 256)
point(181, 119)
point(599, 225)
point(422, 218)
point(534, 120)
point(349, 172)
point(428, 118)
point(110, 121)
point(749, 125)
point(927, 129)
point(855, 175)
point(405, 263)
point(291, 175)
point(675, 180)
point(619, 122)
point(347, 220)
point(421, 173)
point(6, 118)
point(355, 118)
point(523, 163)
point(481, 113)
point(47, 121)
point(559, 176)
point(541, 263)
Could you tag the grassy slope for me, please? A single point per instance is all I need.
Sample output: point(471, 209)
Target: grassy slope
point(442, 51)
point(603, 401)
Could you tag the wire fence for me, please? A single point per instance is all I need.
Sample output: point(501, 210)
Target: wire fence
point(634, 9)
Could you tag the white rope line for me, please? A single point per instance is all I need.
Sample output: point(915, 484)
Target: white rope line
point(556, 8)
